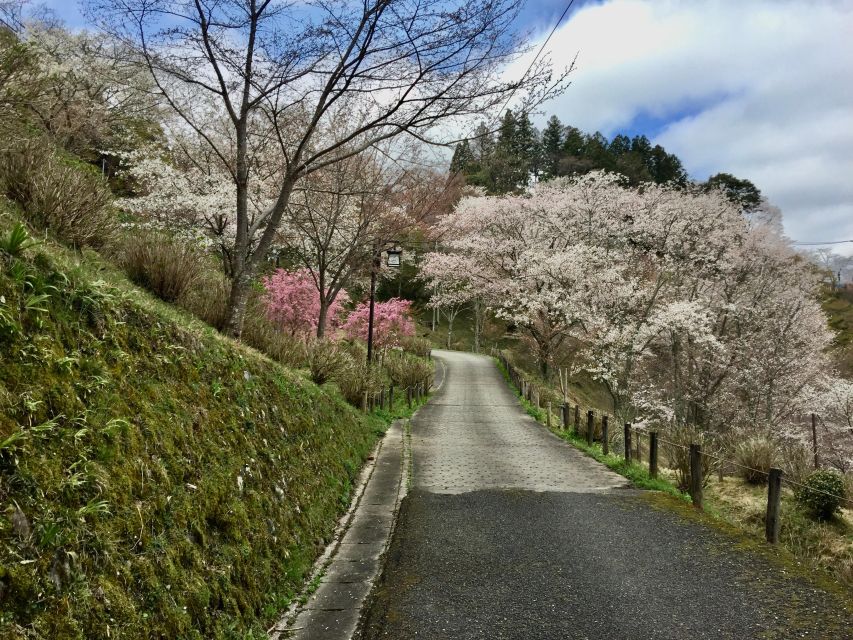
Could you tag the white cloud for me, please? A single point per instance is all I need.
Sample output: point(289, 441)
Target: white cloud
point(762, 89)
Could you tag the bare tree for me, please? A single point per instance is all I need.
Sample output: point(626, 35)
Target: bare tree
point(286, 72)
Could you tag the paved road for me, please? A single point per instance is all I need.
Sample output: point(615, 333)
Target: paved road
point(510, 533)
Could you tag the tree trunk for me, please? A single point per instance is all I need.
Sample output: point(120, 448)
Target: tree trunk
point(322, 317)
point(237, 301)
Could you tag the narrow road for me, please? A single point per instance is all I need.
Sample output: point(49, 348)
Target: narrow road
point(508, 532)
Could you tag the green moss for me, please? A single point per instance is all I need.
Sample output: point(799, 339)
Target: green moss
point(157, 479)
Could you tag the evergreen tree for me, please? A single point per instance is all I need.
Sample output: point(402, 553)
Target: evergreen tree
point(740, 191)
point(552, 142)
point(526, 149)
point(462, 158)
point(665, 167)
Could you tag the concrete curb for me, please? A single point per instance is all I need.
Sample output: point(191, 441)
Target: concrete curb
point(353, 560)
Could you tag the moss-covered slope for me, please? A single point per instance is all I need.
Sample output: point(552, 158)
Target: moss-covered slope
point(156, 479)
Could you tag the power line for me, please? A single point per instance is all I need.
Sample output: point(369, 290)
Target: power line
point(539, 53)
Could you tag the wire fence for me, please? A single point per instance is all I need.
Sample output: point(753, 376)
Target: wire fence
point(695, 474)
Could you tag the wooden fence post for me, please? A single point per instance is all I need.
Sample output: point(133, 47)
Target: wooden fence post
point(577, 419)
point(639, 447)
point(549, 415)
point(814, 442)
point(605, 443)
point(564, 410)
point(590, 428)
point(627, 442)
point(391, 397)
point(774, 496)
point(653, 454)
point(696, 475)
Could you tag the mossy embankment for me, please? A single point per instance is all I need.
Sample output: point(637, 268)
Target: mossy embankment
point(156, 479)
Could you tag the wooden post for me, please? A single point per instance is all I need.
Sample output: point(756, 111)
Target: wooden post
point(364, 402)
point(549, 415)
point(814, 442)
point(577, 418)
point(653, 454)
point(391, 397)
point(696, 475)
point(590, 418)
point(382, 398)
point(627, 442)
point(639, 447)
point(565, 416)
point(605, 443)
point(774, 496)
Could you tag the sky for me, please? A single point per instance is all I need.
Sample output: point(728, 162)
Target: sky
point(761, 89)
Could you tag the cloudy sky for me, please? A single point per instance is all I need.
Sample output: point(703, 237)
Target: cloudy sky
point(762, 89)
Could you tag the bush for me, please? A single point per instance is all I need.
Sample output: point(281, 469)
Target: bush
point(797, 461)
point(59, 194)
point(165, 265)
point(406, 370)
point(759, 454)
point(418, 346)
point(679, 456)
point(357, 379)
point(325, 358)
point(822, 494)
point(207, 298)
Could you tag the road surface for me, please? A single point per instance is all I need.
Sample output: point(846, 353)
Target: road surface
point(508, 532)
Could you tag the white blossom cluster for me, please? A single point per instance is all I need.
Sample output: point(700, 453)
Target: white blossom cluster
point(689, 312)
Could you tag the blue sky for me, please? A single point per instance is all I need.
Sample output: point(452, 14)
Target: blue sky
point(760, 89)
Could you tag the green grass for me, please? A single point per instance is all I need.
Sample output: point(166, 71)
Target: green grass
point(156, 478)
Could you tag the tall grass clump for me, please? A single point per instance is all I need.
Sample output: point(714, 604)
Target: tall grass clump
point(755, 457)
point(161, 263)
point(58, 193)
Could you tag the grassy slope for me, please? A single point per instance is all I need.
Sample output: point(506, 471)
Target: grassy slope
point(156, 479)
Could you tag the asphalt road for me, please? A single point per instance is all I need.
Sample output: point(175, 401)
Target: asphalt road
point(508, 532)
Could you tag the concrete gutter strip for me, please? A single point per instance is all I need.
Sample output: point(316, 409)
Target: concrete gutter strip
point(352, 562)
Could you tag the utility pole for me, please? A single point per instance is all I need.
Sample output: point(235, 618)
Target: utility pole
point(374, 267)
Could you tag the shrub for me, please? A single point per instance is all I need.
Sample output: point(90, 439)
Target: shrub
point(418, 346)
point(260, 333)
point(70, 199)
point(357, 379)
point(822, 494)
point(797, 461)
point(163, 264)
point(324, 358)
point(679, 455)
point(755, 455)
point(207, 298)
point(406, 370)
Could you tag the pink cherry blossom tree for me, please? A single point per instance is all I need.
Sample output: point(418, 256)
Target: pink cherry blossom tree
point(293, 302)
point(391, 321)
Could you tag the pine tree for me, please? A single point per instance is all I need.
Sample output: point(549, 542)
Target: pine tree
point(552, 142)
point(462, 158)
